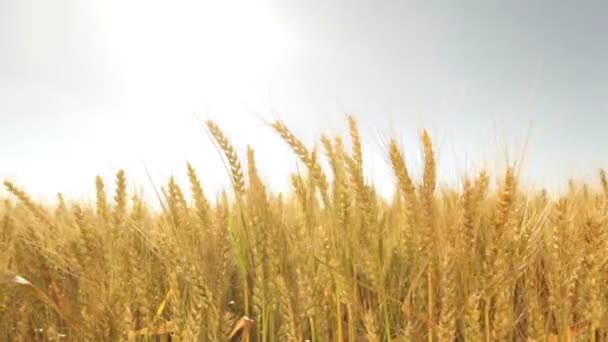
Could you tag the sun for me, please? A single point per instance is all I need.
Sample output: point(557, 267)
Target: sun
point(186, 49)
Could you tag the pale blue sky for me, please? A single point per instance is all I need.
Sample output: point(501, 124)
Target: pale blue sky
point(89, 87)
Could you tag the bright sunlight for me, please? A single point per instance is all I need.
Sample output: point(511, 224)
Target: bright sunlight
point(221, 46)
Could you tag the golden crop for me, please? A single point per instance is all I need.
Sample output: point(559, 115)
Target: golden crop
point(330, 261)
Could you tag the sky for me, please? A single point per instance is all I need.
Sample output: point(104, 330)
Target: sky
point(90, 87)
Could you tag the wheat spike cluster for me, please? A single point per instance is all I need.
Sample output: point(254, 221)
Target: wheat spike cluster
point(330, 260)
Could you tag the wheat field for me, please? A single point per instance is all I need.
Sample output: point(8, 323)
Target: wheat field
point(329, 261)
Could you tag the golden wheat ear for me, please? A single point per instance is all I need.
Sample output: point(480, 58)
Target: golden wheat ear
point(236, 170)
point(102, 202)
point(308, 158)
point(27, 201)
point(120, 198)
point(355, 138)
point(200, 201)
point(404, 182)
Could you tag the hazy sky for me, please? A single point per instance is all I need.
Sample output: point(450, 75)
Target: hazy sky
point(88, 87)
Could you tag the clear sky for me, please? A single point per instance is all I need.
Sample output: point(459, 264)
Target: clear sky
point(88, 87)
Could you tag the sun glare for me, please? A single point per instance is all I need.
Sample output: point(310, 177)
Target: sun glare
point(185, 50)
